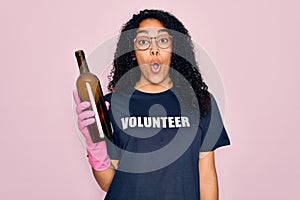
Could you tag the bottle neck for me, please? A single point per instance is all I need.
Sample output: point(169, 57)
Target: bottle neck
point(81, 61)
point(83, 67)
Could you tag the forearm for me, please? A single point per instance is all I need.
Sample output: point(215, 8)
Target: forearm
point(209, 187)
point(104, 178)
point(208, 178)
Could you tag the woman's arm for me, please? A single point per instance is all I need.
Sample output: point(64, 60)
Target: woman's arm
point(105, 177)
point(208, 178)
point(103, 168)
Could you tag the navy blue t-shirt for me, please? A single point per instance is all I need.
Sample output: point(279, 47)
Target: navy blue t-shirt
point(157, 143)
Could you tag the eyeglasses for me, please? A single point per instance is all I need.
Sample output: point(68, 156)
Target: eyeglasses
point(163, 41)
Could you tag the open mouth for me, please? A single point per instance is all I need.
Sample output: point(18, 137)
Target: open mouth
point(155, 67)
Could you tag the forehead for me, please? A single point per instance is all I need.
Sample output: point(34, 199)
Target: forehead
point(151, 26)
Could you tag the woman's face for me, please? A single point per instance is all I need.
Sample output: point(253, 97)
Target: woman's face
point(153, 55)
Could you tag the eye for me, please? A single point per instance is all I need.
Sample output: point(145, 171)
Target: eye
point(164, 40)
point(142, 41)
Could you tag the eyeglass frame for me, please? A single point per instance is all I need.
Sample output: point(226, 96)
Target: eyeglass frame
point(150, 43)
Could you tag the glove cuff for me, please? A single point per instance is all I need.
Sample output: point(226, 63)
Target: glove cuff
point(98, 157)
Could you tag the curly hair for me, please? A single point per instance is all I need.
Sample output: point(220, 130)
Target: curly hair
point(185, 63)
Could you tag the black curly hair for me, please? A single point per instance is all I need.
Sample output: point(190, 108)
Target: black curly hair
point(183, 62)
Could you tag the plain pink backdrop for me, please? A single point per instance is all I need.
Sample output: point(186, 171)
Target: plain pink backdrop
point(254, 44)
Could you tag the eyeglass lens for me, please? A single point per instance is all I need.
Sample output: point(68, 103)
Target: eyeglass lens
point(144, 42)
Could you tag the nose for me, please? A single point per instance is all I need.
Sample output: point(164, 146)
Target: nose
point(154, 50)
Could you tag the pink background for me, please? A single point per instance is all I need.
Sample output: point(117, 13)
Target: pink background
point(254, 44)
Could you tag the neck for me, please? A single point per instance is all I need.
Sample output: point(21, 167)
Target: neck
point(154, 87)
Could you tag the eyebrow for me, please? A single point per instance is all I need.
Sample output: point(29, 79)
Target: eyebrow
point(145, 31)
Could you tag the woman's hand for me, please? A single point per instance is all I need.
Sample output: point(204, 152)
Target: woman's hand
point(97, 152)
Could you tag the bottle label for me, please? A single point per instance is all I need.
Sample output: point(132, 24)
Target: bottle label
point(94, 107)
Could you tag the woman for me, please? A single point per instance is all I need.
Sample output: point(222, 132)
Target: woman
point(161, 112)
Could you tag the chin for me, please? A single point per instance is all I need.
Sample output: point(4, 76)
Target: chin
point(156, 81)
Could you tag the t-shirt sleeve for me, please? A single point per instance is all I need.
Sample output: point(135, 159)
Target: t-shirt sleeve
point(214, 134)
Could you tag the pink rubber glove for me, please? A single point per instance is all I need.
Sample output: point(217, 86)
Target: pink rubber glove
point(97, 152)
